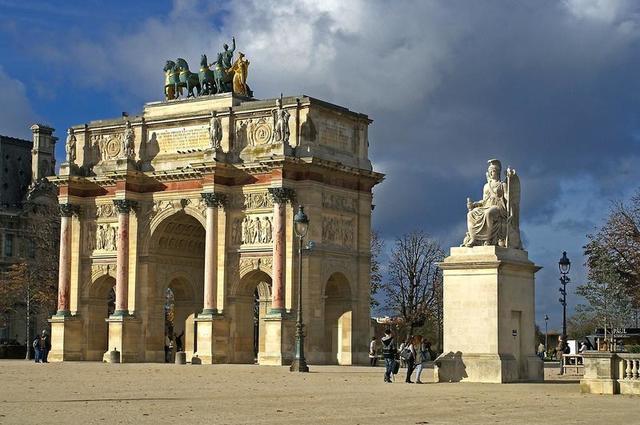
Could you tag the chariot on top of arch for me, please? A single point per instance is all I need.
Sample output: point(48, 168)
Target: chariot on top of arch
point(226, 76)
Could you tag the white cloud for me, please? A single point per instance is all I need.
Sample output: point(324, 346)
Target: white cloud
point(606, 11)
point(17, 115)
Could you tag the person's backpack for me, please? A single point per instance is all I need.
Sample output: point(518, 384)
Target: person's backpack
point(426, 355)
point(406, 354)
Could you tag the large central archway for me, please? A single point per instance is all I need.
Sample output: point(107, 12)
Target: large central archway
point(176, 260)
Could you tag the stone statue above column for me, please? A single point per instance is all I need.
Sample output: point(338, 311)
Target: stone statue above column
point(495, 219)
point(215, 132)
point(70, 146)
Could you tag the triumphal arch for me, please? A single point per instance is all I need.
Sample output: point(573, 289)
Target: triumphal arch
point(192, 201)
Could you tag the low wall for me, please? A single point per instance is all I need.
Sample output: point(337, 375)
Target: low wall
point(611, 373)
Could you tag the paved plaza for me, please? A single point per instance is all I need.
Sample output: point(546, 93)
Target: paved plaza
point(96, 393)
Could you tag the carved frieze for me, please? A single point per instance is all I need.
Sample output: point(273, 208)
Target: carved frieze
point(98, 270)
point(107, 146)
point(338, 202)
point(252, 229)
point(251, 201)
point(338, 231)
point(106, 211)
point(248, 264)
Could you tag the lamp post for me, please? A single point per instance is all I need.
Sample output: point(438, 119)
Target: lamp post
point(546, 334)
point(301, 226)
point(564, 265)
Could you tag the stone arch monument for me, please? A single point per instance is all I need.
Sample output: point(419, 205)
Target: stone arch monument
point(163, 199)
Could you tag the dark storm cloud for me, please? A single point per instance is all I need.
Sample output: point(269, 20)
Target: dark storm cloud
point(548, 87)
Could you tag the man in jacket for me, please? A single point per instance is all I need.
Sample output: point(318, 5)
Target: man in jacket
point(389, 352)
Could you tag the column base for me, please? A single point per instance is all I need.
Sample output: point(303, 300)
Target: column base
point(212, 339)
point(279, 340)
point(475, 367)
point(125, 335)
point(299, 366)
point(66, 338)
point(63, 313)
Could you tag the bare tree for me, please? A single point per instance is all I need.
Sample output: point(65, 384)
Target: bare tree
point(615, 249)
point(414, 277)
point(376, 272)
point(29, 287)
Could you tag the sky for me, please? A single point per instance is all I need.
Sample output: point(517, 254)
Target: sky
point(548, 87)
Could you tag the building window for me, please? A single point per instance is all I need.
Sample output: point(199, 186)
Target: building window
point(31, 249)
point(8, 245)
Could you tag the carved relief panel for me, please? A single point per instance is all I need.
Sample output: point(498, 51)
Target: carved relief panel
point(252, 229)
point(338, 231)
point(338, 202)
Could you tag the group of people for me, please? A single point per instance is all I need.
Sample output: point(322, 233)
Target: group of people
point(414, 353)
point(41, 346)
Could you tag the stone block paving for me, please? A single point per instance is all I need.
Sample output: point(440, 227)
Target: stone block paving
point(97, 393)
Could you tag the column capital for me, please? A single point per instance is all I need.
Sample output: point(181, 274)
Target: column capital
point(124, 206)
point(213, 200)
point(282, 195)
point(67, 210)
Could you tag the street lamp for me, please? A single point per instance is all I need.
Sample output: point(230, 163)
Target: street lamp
point(300, 226)
point(546, 335)
point(564, 265)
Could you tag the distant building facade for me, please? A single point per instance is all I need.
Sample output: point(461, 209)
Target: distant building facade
point(24, 195)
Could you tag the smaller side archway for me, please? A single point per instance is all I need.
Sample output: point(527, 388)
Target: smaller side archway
point(100, 303)
point(252, 300)
point(338, 320)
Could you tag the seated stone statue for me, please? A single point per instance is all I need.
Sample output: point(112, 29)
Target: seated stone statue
point(494, 220)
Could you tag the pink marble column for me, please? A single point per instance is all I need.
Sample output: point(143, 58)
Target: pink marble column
point(123, 206)
point(280, 197)
point(213, 202)
point(64, 269)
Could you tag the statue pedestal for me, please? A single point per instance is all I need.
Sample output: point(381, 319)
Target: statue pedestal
point(279, 339)
point(66, 338)
point(489, 316)
point(213, 338)
point(69, 169)
point(125, 335)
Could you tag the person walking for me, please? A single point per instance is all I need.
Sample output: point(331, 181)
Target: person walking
point(403, 362)
point(541, 351)
point(373, 348)
point(36, 348)
point(561, 348)
point(389, 352)
point(45, 346)
point(422, 358)
point(409, 355)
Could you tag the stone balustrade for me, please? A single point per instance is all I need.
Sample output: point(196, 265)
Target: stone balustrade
point(611, 373)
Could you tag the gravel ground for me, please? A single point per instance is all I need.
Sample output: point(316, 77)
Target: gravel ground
point(96, 393)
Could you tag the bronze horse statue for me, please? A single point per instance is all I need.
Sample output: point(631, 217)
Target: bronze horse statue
point(189, 79)
point(172, 86)
point(207, 78)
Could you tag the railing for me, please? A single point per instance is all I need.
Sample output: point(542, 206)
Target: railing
point(629, 366)
point(572, 364)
